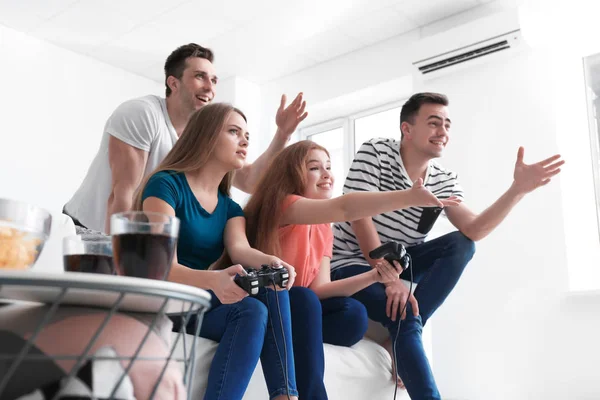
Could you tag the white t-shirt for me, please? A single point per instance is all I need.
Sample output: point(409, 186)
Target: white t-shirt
point(378, 166)
point(142, 123)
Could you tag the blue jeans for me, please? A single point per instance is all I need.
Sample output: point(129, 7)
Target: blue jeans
point(437, 266)
point(246, 331)
point(341, 321)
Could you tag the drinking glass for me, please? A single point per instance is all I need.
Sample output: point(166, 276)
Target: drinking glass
point(144, 243)
point(88, 253)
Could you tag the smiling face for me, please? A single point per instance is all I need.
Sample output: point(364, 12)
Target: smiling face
point(319, 179)
point(232, 145)
point(429, 131)
point(196, 87)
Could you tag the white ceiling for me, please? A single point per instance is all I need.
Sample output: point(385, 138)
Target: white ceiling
point(259, 40)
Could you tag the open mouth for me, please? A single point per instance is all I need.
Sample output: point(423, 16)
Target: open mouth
point(204, 99)
point(241, 153)
point(325, 186)
point(439, 143)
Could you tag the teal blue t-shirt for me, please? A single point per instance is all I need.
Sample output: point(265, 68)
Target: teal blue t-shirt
point(200, 233)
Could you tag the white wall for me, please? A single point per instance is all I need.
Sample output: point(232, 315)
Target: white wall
point(52, 112)
point(246, 96)
point(511, 329)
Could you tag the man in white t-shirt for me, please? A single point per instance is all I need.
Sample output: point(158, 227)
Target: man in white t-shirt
point(384, 164)
point(140, 133)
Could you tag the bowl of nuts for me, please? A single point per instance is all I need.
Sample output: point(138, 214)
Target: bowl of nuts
point(24, 229)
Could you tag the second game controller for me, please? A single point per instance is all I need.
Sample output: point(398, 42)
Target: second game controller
point(391, 252)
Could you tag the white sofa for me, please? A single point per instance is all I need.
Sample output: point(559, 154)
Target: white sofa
point(358, 373)
point(361, 372)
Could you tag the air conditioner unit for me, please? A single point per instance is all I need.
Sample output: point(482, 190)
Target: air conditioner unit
point(484, 40)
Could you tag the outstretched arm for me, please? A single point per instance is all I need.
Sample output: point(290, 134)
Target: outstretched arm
point(527, 178)
point(287, 119)
point(357, 205)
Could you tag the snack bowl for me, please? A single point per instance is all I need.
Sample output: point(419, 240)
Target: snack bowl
point(24, 229)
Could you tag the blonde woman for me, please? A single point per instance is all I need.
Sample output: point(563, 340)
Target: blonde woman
point(193, 183)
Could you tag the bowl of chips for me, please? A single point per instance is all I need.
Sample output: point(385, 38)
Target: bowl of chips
point(24, 229)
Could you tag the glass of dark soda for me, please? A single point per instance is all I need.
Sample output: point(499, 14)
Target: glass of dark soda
point(88, 253)
point(144, 243)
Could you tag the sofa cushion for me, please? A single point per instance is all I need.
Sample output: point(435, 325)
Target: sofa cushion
point(360, 372)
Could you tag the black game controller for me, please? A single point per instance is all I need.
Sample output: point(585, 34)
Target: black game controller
point(264, 277)
point(428, 218)
point(391, 252)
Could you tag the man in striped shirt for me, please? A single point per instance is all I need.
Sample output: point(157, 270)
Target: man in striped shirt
point(385, 164)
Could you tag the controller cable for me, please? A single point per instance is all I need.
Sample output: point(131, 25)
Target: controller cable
point(285, 366)
point(395, 360)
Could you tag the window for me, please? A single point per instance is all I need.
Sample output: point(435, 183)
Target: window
point(343, 137)
point(592, 79)
point(385, 124)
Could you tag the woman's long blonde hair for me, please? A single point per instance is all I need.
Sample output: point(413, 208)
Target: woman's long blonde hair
point(285, 176)
point(195, 146)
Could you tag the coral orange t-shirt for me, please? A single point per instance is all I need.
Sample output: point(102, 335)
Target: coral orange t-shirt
point(304, 246)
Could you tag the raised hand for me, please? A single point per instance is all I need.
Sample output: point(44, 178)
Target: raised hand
point(528, 177)
point(288, 118)
point(422, 197)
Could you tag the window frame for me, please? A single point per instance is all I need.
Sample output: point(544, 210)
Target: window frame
point(593, 119)
point(371, 111)
point(347, 123)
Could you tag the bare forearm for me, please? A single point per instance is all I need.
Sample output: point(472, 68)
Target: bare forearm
point(248, 257)
point(188, 276)
point(247, 179)
point(488, 220)
point(277, 144)
point(357, 205)
point(345, 287)
point(367, 236)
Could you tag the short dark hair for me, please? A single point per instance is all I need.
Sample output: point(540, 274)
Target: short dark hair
point(175, 63)
point(411, 108)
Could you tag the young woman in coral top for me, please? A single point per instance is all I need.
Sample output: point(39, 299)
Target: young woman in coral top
point(289, 216)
